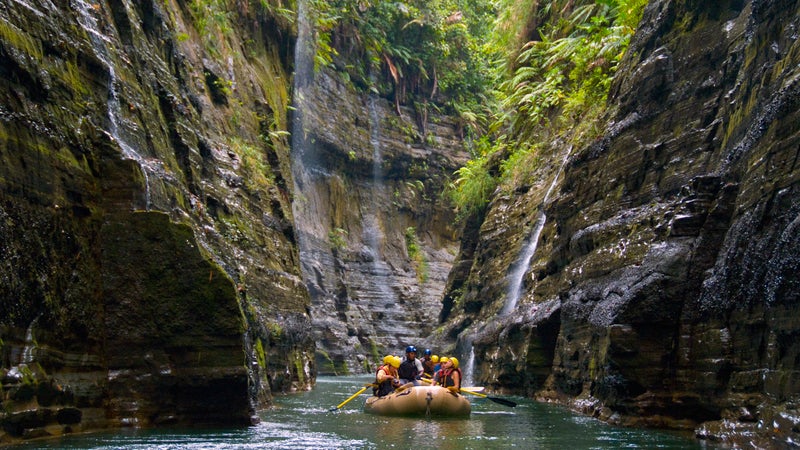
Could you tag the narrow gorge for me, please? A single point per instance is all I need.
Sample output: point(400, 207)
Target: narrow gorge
point(193, 220)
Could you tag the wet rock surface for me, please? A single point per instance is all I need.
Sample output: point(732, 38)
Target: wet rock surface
point(148, 256)
point(378, 238)
point(664, 287)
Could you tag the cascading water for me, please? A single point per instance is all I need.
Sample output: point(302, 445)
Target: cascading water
point(523, 262)
point(101, 44)
point(373, 235)
point(25, 357)
point(27, 351)
point(303, 156)
point(469, 368)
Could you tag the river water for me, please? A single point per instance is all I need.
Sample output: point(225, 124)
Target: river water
point(304, 421)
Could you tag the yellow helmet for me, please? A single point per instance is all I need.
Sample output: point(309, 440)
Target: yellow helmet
point(435, 358)
point(444, 359)
point(454, 360)
point(395, 362)
point(387, 359)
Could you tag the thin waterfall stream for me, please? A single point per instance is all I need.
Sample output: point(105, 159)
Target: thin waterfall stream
point(372, 228)
point(101, 44)
point(523, 262)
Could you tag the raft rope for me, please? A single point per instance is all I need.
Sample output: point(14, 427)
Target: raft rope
point(428, 399)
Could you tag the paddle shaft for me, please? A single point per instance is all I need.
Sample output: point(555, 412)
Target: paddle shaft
point(351, 397)
point(499, 400)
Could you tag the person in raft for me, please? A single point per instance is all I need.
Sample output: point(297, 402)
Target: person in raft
point(428, 363)
point(449, 375)
point(386, 377)
point(437, 364)
point(410, 368)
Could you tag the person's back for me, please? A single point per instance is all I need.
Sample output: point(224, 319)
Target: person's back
point(411, 368)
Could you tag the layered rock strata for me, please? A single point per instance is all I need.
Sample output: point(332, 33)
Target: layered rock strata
point(377, 237)
point(663, 290)
point(150, 273)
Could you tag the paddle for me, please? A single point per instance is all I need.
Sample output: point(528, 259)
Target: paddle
point(502, 401)
point(403, 387)
point(467, 390)
point(351, 397)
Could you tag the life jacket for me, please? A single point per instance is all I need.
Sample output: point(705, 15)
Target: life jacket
point(447, 378)
point(385, 387)
point(407, 370)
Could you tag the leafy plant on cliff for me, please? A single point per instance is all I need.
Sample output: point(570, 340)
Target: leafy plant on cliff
point(470, 192)
point(211, 20)
point(566, 74)
point(256, 171)
point(427, 54)
point(563, 56)
point(336, 238)
point(416, 254)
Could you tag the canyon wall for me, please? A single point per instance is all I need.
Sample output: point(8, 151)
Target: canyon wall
point(377, 236)
point(150, 272)
point(663, 290)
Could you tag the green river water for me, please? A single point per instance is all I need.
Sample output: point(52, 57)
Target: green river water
point(304, 421)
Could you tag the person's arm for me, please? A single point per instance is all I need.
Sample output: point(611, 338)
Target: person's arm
point(383, 376)
point(457, 379)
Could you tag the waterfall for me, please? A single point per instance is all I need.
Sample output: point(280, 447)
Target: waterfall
point(101, 44)
point(30, 345)
point(523, 262)
point(303, 154)
point(373, 234)
point(469, 368)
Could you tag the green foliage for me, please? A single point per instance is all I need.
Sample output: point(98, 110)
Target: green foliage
point(277, 9)
point(567, 73)
point(256, 172)
point(520, 165)
point(336, 238)
point(556, 84)
point(416, 254)
point(275, 331)
point(471, 190)
point(413, 51)
point(211, 20)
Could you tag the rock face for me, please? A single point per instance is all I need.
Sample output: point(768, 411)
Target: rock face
point(150, 271)
point(377, 240)
point(663, 289)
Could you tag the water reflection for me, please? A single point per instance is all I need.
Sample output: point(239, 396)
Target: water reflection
point(303, 421)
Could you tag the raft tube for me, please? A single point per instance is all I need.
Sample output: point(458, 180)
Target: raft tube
point(419, 401)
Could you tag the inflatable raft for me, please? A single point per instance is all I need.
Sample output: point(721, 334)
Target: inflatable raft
point(419, 401)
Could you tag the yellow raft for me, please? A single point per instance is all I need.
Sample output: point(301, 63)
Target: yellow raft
point(419, 401)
